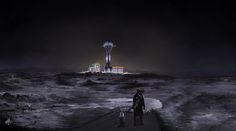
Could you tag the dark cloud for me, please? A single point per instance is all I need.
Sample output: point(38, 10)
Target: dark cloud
point(173, 37)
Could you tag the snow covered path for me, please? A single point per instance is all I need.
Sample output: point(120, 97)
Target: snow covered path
point(110, 122)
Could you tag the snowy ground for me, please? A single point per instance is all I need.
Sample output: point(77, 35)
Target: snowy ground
point(66, 101)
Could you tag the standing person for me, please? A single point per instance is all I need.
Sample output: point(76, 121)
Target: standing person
point(138, 106)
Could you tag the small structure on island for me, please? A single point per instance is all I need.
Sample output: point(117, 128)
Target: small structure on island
point(118, 69)
point(95, 67)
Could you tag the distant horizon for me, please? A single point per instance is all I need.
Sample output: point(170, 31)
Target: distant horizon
point(40, 70)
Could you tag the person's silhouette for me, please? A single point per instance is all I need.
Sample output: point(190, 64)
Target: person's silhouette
point(138, 106)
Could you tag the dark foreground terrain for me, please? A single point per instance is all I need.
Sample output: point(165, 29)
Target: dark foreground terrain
point(110, 122)
point(56, 101)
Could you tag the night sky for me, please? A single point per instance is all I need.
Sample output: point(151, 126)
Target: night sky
point(170, 37)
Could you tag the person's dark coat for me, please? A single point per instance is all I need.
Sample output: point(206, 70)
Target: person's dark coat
point(138, 104)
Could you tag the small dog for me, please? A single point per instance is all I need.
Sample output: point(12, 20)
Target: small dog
point(122, 119)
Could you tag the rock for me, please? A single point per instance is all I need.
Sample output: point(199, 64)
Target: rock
point(8, 96)
point(89, 83)
point(22, 97)
point(4, 105)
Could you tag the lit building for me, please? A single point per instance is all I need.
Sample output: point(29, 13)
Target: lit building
point(108, 47)
point(118, 69)
point(96, 67)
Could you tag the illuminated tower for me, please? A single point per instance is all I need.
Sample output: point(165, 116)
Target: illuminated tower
point(108, 47)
